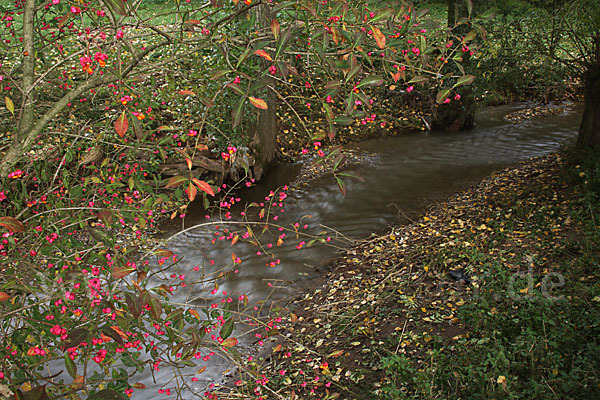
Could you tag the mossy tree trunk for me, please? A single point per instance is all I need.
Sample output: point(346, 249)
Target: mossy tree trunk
point(589, 130)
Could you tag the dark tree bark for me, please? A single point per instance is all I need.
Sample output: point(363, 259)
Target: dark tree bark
point(589, 130)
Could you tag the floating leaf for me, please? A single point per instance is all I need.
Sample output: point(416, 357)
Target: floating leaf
point(258, 103)
point(263, 54)
point(12, 224)
point(121, 124)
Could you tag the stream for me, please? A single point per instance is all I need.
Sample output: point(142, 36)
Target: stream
point(401, 176)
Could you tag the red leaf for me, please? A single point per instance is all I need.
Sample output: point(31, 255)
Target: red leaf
point(258, 103)
point(186, 92)
point(105, 216)
point(263, 54)
point(205, 187)
point(196, 315)
point(229, 342)
point(379, 37)
point(4, 296)
point(189, 163)
point(192, 22)
point(12, 224)
point(192, 191)
point(275, 28)
point(175, 181)
point(163, 253)
point(121, 124)
point(121, 272)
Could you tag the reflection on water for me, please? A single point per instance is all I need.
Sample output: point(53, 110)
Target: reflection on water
point(401, 174)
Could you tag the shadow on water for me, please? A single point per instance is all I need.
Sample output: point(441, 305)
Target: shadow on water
point(401, 174)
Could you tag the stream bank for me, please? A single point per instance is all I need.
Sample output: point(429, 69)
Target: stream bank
point(493, 293)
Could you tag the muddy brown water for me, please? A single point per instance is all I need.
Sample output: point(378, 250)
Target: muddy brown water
point(400, 174)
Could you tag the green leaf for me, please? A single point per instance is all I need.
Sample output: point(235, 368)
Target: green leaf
point(219, 74)
point(243, 57)
point(470, 36)
point(282, 42)
point(237, 113)
point(341, 186)
point(371, 80)
point(343, 120)
point(418, 79)
point(76, 336)
point(227, 328)
point(156, 307)
point(132, 305)
point(442, 95)
point(465, 80)
point(113, 334)
point(236, 88)
point(71, 367)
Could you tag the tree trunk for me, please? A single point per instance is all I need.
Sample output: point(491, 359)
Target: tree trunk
point(589, 130)
point(25, 120)
point(267, 129)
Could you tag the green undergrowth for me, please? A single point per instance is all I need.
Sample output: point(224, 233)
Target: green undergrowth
point(493, 294)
